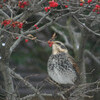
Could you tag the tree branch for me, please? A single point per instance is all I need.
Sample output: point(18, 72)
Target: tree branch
point(90, 55)
point(84, 26)
point(40, 28)
point(76, 93)
point(4, 14)
point(26, 83)
point(64, 36)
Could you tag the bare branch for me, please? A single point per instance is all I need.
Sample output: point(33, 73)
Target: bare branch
point(64, 36)
point(76, 93)
point(40, 28)
point(84, 26)
point(26, 83)
point(91, 56)
point(4, 14)
point(40, 20)
point(15, 44)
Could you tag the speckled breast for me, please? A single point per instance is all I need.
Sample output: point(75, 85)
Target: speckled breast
point(60, 69)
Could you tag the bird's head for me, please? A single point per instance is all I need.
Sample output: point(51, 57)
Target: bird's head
point(57, 47)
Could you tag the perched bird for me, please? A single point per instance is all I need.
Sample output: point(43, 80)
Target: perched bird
point(61, 66)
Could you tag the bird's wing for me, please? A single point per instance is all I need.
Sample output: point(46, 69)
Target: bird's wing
point(72, 61)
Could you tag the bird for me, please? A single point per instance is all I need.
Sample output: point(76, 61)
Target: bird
point(61, 66)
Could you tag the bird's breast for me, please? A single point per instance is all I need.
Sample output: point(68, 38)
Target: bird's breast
point(60, 69)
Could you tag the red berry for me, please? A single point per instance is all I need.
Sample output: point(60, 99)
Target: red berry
point(97, 6)
point(6, 22)
point(98, 12)
point(17, 38)
point(81, 4)
point(25, 3)
point(50, 43)
point(94, 10)
point(89, 1)
point(35, 25)
point(46, 9)
point(20, 25)
point(56, 4)
point(66, 6)
point(26, 40)
point(53, 4)
point(22, 4)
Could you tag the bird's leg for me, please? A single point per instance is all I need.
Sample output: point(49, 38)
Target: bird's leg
point(52, 82)
point(48, 79)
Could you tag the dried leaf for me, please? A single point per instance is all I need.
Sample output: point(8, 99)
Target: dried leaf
point(53, 36)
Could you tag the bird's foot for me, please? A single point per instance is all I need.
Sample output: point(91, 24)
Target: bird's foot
point(52, 82)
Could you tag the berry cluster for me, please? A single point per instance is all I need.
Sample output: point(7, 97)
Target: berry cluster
point(46, 9)
point(52, 4)
point(17, 24)
point(50, 43)
point(13, 24)
point(82, 2)
point(6, 22)
point(36, 26)
point(22, 4)
point(97, 9)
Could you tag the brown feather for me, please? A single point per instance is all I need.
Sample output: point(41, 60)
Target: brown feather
point(72, 61)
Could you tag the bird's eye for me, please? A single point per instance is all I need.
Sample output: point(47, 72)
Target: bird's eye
point(63, 47)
